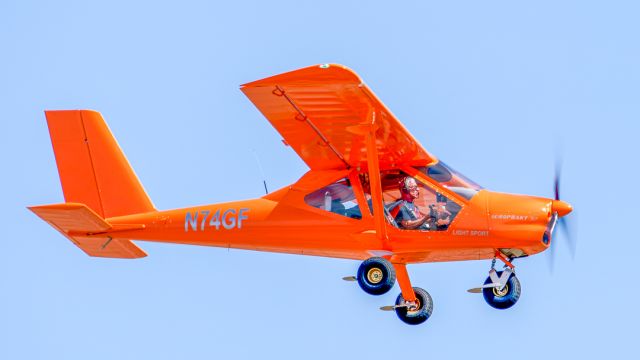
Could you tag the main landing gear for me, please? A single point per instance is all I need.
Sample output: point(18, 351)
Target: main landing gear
point(414, 312)
point(377, 276)
point(501, 289)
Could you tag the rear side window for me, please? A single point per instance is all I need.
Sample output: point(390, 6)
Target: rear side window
point(337, 198)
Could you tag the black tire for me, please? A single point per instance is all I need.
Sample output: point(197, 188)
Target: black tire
point(376, 276)
point(421, 313)
point(502, 299)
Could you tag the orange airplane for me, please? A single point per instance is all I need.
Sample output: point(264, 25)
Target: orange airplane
point(372, 193)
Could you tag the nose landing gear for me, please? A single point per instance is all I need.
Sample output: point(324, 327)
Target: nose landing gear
point(505, 297)
point(501, 289)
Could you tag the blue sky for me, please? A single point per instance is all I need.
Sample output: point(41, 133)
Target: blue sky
point(493, 88)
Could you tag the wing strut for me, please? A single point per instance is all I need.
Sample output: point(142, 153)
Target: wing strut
point(303, 117)
point(375, 183)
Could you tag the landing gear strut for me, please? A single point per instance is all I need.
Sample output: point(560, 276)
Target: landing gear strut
point(377, 276)
point(413, 305)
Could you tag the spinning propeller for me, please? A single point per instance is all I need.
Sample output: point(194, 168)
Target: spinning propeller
point(562, 209)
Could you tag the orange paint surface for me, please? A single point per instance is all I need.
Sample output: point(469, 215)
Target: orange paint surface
point(335, 123)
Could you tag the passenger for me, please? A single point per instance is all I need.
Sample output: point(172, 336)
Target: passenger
point(407, 214)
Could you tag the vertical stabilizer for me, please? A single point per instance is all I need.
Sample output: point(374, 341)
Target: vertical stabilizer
point(93, 170)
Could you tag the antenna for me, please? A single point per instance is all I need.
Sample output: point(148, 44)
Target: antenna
point(264, 181)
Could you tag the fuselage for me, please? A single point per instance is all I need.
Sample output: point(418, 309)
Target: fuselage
point(284, 222)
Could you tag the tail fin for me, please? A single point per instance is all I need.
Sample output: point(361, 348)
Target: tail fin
point(93, 170)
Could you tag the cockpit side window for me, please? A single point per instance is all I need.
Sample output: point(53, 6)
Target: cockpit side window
point(414, 205)
point(425, 209)
point(337, 198)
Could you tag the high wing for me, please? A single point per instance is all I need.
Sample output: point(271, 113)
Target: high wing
point(325, 112)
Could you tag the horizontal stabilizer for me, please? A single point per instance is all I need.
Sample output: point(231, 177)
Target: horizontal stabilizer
point(87, 230)
point(70, 217)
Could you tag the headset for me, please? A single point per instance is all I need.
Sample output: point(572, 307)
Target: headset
point(404, 184)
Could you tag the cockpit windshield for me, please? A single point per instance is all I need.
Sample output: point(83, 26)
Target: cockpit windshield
point(451, 179)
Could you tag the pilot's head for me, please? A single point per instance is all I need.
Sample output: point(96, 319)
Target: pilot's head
point(409, 188)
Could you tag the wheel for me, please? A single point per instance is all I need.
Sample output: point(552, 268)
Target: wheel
point(376, 276)
point(418, 314)
point(505, 298)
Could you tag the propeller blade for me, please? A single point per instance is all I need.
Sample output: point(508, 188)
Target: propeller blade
point(552, 254)
point(568, 230)
point(565, 228)
point(556, 179)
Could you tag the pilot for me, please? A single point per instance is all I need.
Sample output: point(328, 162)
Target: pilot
point(407, 214)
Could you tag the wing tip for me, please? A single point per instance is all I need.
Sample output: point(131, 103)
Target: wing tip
point(337, 72)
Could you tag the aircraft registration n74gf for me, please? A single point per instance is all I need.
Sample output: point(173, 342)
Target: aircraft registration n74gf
point(372, 194)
